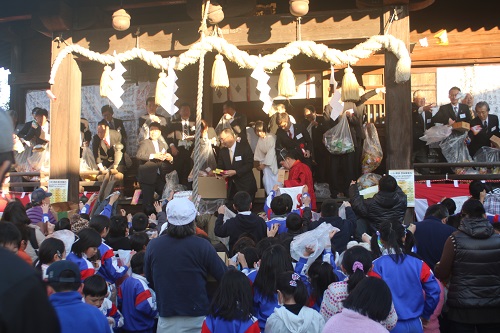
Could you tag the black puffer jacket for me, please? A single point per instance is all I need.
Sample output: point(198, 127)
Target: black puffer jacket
point(384, 206)
point(475, 280)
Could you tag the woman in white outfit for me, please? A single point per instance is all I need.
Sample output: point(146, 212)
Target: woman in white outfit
point(265, 154)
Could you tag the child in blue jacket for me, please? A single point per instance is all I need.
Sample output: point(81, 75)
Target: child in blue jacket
point(136, 300)
point(95, 292)
point(406, 276)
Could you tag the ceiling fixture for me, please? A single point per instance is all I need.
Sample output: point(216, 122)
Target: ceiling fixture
point(121, 20)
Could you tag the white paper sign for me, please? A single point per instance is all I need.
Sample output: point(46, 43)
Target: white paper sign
point(406, 180)
point(59, 190)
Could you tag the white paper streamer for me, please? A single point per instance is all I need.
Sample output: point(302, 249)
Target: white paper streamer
point(115, 87)
point(171, 89)
point(263, 87)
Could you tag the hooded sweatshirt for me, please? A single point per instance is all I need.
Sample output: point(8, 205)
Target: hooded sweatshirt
point(284, 321)
point(243, 223)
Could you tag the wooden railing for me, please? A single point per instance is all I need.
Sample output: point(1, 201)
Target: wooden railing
point(33, 184)
point(453, 176)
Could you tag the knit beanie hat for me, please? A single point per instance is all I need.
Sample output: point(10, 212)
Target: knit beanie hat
point(78, 223)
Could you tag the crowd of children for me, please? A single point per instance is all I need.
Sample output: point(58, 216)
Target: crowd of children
point(102, 270)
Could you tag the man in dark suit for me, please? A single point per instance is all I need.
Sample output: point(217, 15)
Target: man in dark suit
point(316, 126)
point(107, 148)
point(114, 123)
point(236, 159)
point(156, 162)
point(483, 127)
point(234, 120)
point(180, 134)
point(151, 117)
point(293, 137)
point(422, 120)
point(453, 111)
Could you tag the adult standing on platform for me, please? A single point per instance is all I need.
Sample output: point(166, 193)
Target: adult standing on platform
point(453, 111)
point(105, 146)
point(114, 123)
point(422, 120)
point(234, 120)
point(150, 117)
point(182, 133)
point(483, 127)
point(317, 126)
point(265, 154)
point(236, 159)
point(295, 137)
point(156, 163)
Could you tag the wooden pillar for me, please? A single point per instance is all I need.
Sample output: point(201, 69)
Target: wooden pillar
point(17, 98)
point(65, 124)
point(398, 127)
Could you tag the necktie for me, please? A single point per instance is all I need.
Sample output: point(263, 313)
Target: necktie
point(455, 109)
point(106, 142)
point(290, 134)
point(231, 153)
point(423, 118)
point(485, 125)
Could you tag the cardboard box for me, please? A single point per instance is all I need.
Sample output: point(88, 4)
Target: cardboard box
point(495, 140)
point(461, 126)
point(256, 174)
point(212, 188)
point(65, 209)
point(283, 175)
point(261, 193)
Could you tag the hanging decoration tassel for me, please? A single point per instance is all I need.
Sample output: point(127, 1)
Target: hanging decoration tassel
point(350, 86)
point(220, 78)
point(286, 82)
point(105, 81)
point(161, 97)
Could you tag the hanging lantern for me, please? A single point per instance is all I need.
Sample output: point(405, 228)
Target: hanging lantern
point(215, 14)
point(121, 20)
point(299, 8)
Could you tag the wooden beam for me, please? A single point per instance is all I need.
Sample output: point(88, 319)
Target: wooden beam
point(397, 101)
point(465, 47)
point(245, 32)
point(65, 124)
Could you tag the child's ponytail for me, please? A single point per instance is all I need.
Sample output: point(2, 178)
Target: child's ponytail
point(393, 233)
point(290, 285)
point(356, 263)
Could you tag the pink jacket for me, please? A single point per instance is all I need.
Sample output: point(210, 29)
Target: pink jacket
point(349, 321)
point(433, 326)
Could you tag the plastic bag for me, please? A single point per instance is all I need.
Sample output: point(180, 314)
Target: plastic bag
point(338, 139)
point(487, 154)
point(317, 238)
point(368, 180)
point(171, 184)
point(322, 190)
point(342, 213)
point(436, 134)
point(372, 150)
point(455, 150)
